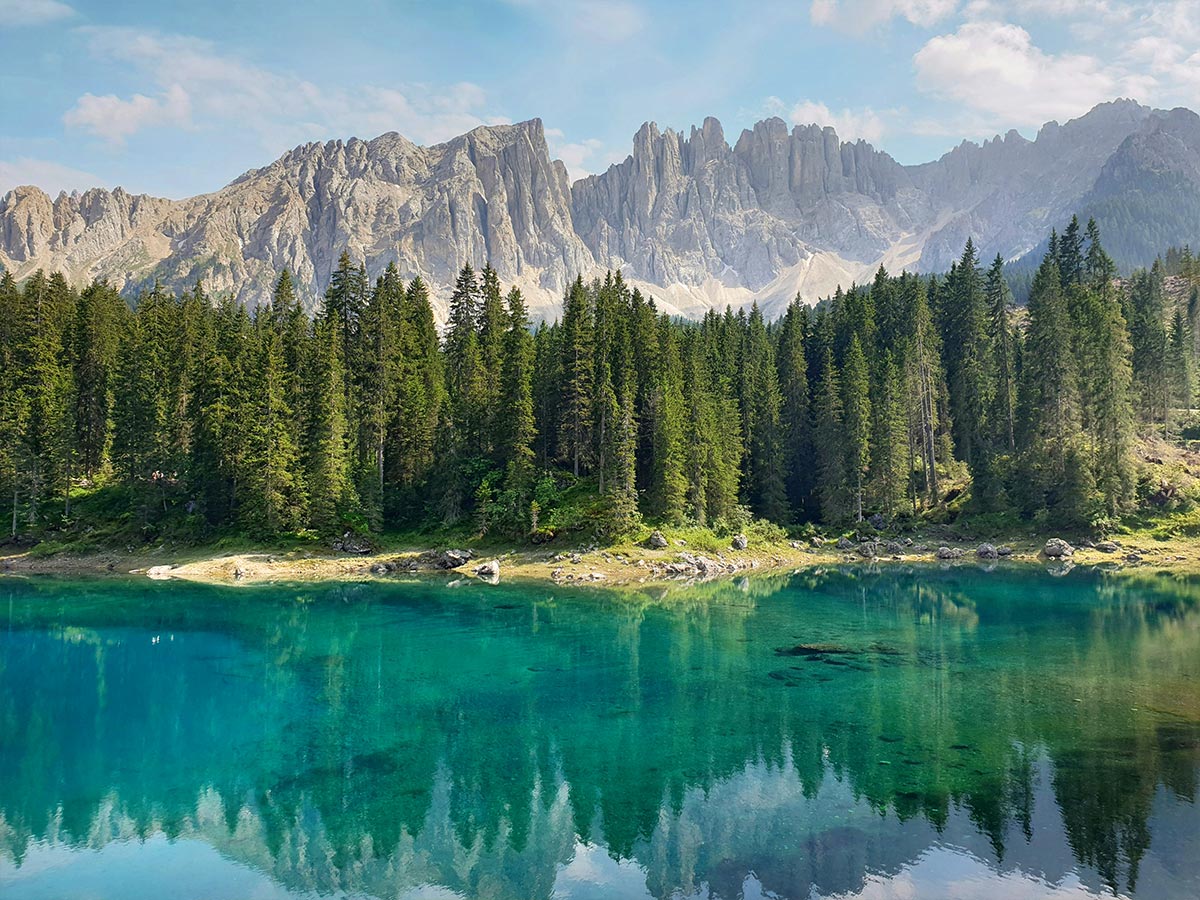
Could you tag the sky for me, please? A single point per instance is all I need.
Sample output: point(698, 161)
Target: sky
point(174, 99)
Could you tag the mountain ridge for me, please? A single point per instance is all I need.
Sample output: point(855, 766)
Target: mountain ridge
point(694, 219)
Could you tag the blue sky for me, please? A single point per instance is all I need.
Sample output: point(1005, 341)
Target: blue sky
point(179, 98)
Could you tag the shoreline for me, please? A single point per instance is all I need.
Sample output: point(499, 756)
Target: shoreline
point(620, 566)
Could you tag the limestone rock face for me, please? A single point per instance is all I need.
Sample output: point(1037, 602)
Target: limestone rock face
point(492, 194)
point(695, 219)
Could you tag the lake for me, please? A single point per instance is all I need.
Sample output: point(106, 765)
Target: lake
point(900, 733)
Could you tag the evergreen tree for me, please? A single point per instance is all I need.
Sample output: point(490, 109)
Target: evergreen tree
point(967, 357)
point(832, 447)
point(666, 496)
point(856, 407)
point(327, 454)
point(274, 497)
point(519, 429)
point(1055, 474)
point(890, 455)
point(794, 417)
point(578, 372)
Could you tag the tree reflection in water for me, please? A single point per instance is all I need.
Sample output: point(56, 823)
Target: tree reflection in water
point(817, 734)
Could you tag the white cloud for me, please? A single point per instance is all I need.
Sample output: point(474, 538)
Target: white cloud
point(582, 158)
point(202, 86)
point(859, 15)
point(605, 21)
point(32, 12)
point(850, 124)
point(995, 68)
point(114, 119)
point(51, 177)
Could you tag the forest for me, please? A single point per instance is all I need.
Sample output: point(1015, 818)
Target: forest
point(194, 418)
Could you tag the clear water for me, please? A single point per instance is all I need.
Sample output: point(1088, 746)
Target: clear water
point(922, 734)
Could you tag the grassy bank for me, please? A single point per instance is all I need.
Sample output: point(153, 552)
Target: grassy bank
point(1164, 543)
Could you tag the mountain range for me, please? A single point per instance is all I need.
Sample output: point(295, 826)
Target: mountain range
point(696, 219)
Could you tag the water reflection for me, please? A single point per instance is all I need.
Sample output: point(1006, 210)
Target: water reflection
point(943, 733)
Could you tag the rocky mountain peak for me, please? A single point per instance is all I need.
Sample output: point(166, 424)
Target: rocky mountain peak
point(696, 221)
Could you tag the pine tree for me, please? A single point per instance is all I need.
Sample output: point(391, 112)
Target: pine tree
point(856, 407)
point(1179, 363)
point(578, 366)
point(96, 335)
point(516, 416)
point(794, 417)
point(967, 357)
point(828, 426)
point(1056, 473)
point(761, 401)
point(889, 464)
point(465, 373)
point(420, 404)
point(666, 494)
point(493, 327)
point(327, 452)
point(275, 499)
point(1003, 415)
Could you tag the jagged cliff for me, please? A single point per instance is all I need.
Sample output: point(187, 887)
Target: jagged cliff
point(695, 219)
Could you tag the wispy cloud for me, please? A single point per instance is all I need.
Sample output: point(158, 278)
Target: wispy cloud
point(604, 21)
point(195, 84)
point(50, 176)
point(850, 124)
point(32, 12)
point(859, 16)
point(113, 119)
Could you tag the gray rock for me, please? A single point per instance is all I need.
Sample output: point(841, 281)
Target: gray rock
point(948, 553)
point(987, 551)
point(739, 542)
point(714, 221)
point(877, 521)
point(845, 544)
point(1057, 548)
point(453, 559)
point(868, 550)
point(1108, 546)
point(489, 569)
point(894, 547)
point(656, 541)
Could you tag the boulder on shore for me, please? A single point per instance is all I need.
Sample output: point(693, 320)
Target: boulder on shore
point(845, 544)
point(453, 559)
point(948, 553)
point(868, 550)
point(489, 570)
point(656, 541)
point(987, 551)
point(740, 542)
point(1057, 548)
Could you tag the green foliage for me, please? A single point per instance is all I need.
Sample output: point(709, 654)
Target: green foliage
point(196, 420)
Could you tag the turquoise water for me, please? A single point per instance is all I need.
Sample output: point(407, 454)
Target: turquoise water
point(923, 734)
